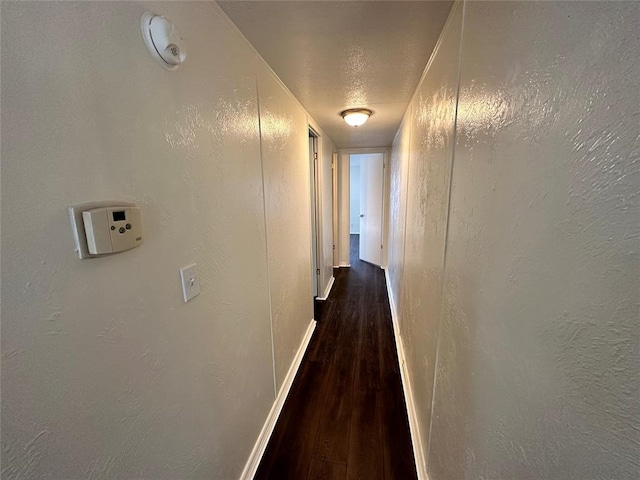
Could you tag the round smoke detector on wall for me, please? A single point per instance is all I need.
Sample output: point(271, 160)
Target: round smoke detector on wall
point(163, 41)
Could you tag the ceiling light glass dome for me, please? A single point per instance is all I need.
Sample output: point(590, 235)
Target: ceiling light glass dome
point(356, 116)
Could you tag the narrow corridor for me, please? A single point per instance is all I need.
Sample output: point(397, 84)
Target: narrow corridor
point(345, 415)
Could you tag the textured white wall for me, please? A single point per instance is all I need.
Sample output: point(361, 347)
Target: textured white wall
point(386, 206)
point(398, 168)
point(285, 158)
point(106, 373)
point(430, 150)
point(537, 365)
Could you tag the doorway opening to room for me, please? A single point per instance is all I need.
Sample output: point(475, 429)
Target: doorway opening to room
point(366, 207)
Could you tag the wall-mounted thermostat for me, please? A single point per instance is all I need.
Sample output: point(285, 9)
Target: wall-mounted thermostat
point(103, 228)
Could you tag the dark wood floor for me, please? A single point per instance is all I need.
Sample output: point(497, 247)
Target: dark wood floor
point(345, 416)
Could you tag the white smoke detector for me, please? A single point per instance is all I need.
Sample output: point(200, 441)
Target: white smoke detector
point(163, 41)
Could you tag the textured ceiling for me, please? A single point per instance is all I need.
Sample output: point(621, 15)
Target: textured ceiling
point(335, 55)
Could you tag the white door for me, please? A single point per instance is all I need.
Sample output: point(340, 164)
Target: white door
point(371, 186)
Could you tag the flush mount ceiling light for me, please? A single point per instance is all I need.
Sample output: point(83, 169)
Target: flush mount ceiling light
point(356, 116)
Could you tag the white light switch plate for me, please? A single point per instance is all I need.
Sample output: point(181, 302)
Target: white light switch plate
point(190, 282)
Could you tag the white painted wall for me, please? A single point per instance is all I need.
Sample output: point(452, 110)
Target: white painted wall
point(519, 293)
point(429, 164)
point(354, 196)
point(399, 166)
point(106, 373)
point(343, 208)
point(386, 207)
point(285, 160)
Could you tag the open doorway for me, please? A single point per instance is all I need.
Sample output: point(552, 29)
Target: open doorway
point(366, 206)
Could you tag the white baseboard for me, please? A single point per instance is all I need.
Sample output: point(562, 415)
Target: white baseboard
point(343, 265)
point(263, 439)
point(416, 440)
point(327, 290)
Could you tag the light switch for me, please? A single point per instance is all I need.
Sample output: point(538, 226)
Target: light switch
point(190, 282)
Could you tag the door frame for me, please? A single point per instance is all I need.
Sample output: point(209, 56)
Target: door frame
point(316, 218)
point(343, 199)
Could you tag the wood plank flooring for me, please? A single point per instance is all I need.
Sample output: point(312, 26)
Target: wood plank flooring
point(345, 416)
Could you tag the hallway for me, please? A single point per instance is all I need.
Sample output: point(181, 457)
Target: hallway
point(510, 240)
point(345, 415)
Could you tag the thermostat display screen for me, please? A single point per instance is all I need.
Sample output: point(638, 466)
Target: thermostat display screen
point(119, 216)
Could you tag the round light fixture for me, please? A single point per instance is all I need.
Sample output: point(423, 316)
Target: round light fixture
point(356, 116)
